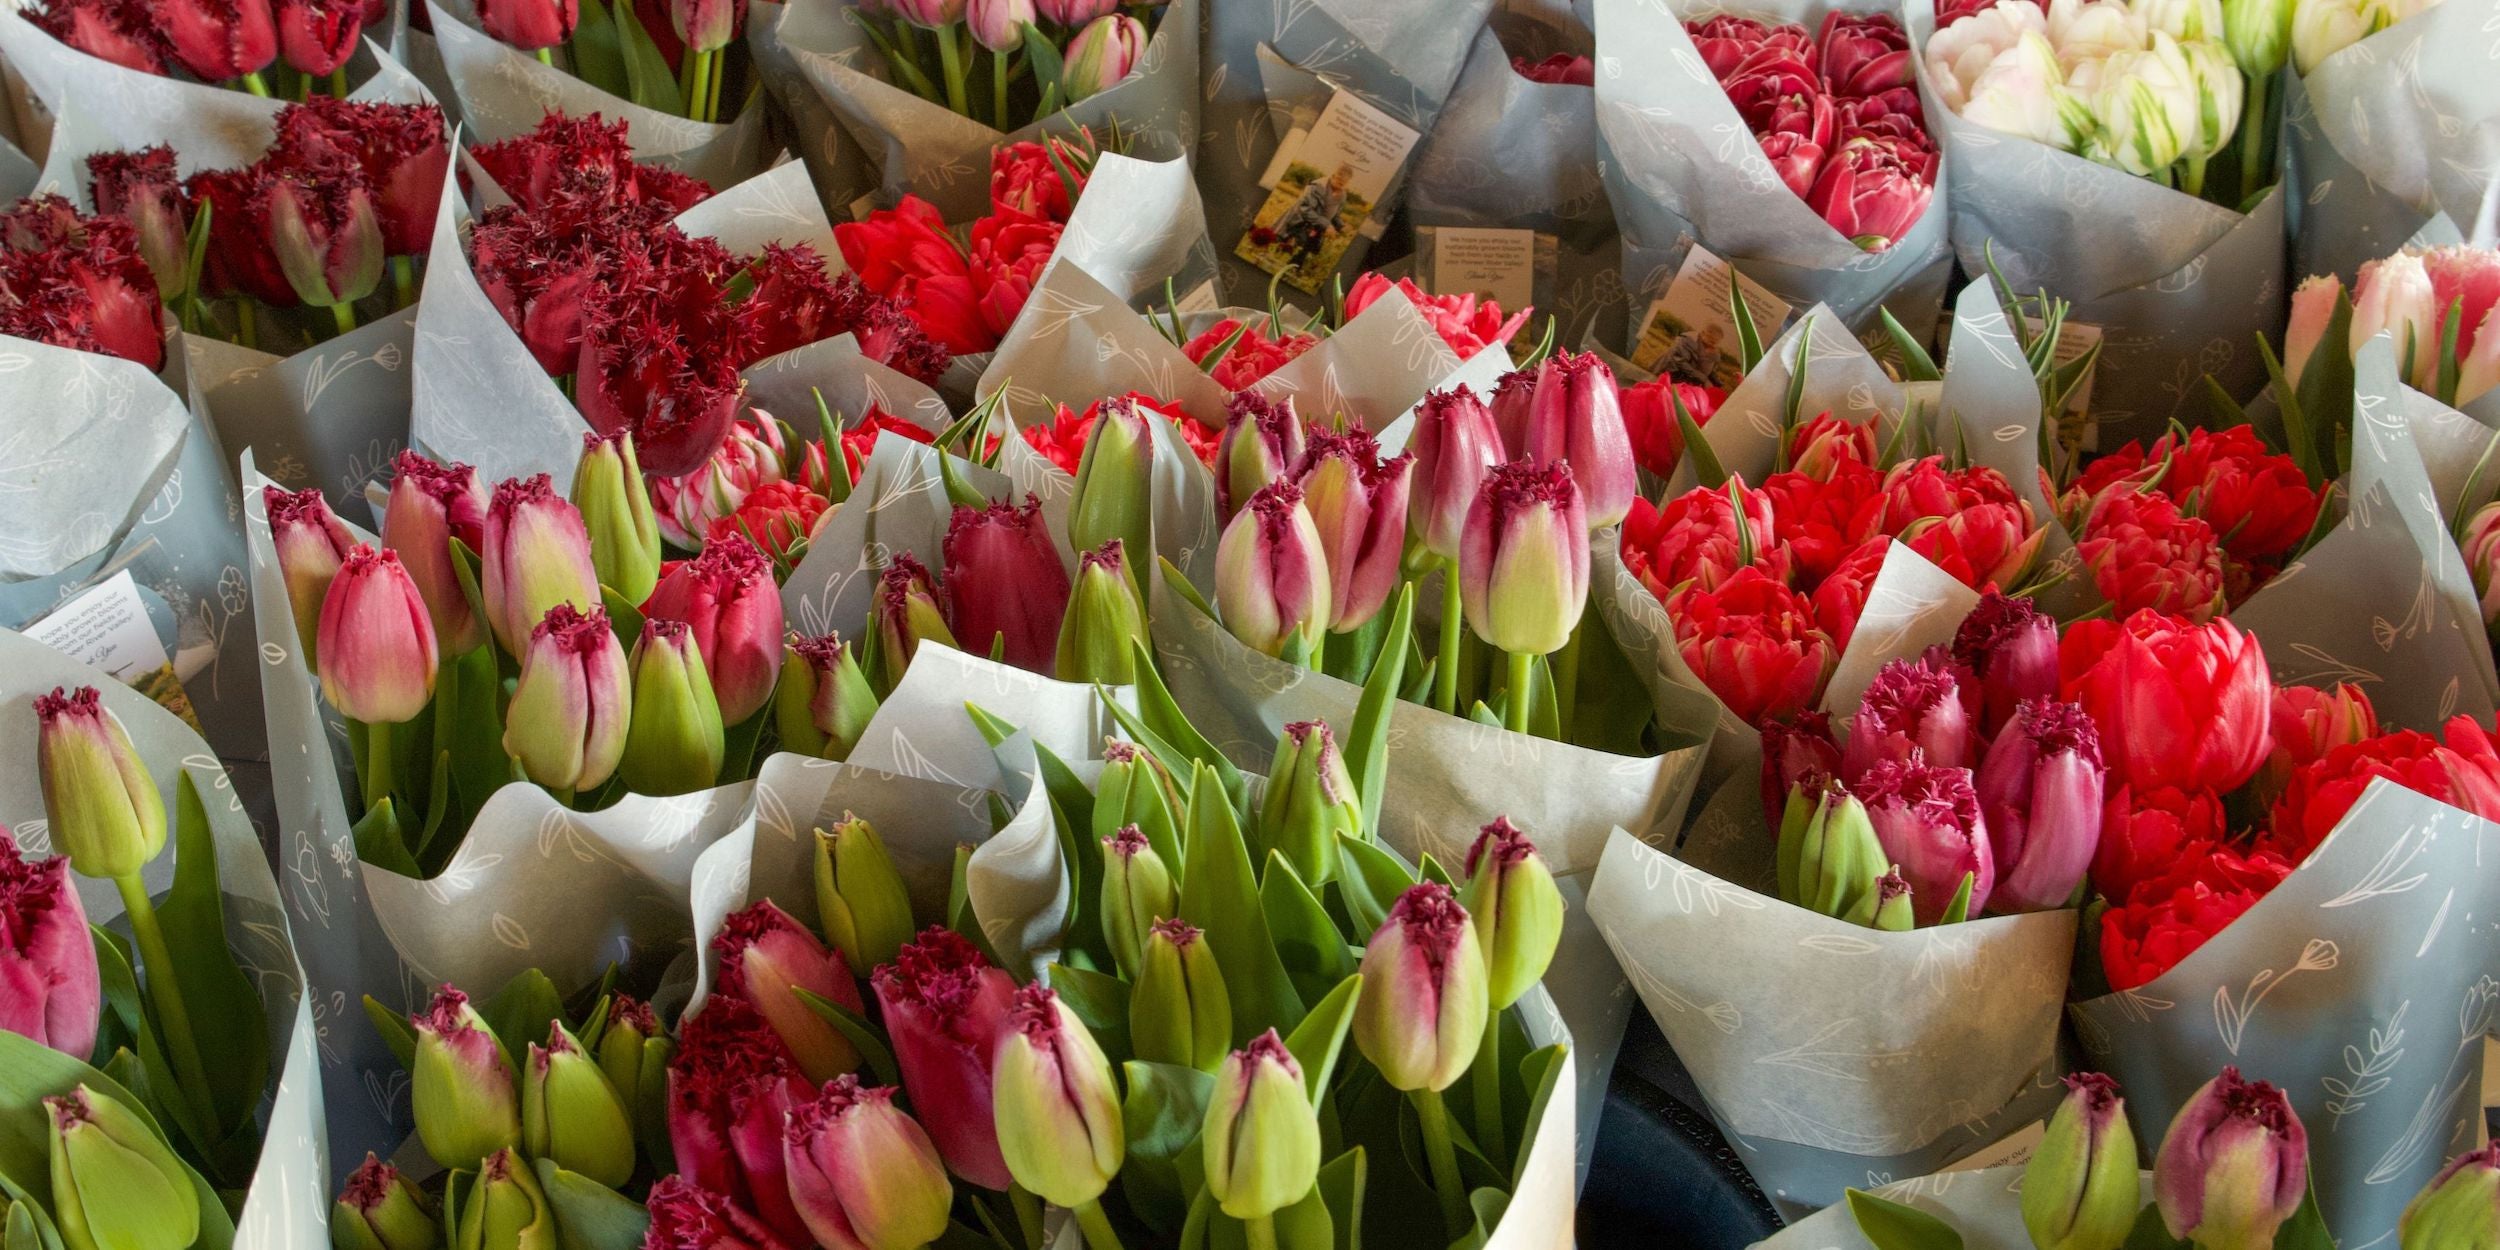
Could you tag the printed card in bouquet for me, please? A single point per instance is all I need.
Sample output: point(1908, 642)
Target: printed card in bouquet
point(1323, 186)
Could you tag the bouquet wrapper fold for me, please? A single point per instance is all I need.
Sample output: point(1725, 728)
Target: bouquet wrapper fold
point(1984, 1205)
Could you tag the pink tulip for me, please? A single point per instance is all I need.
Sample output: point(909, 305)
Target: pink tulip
point(537, 555)
point(432, 504)
point(1263, 441)
point(906, 614)
point(377, 642)
point(49, 989)
point(530, 24)
point(863, 1175)
point(946, 1009)
point(1005, 588)
point(1358, 503)
point(766, 958)
point(731, 1089)
point(2009, 648)
point(1911, 706)
point(311, 544)
point(2040, 789)
point(1797, 754)
point(728, 598)
point(1576, 417)
point(567, 719)
point(1523, 563)
point(998, 25)
point(686, 1216)
point(1929, 823)
point(1271, 574)
point(2233, 1166)
point(1101, 55)
point(2313, 305)
point(1456, 444)
point(1420, 1016)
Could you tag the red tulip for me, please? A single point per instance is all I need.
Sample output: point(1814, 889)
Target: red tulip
point(48, 982)
point(947, 1010)
point(1819, 446)
point(863, 1174)
point(766, 957)
point(218, 39)
point(1840, 597)
point(318, 36)
point(2308, 722)
point(78, 282)
point(1727, 40)
point(2461, 772)
point(1797, 754)
point(1575, 417)
point(2257, 500)
point(1754, 643)
point(1930, 824)
point(2009, 648)
point(1864, 54)
point(1969, 521)
point(1468, 325)
point(2146, 554)
point(1024, 179)
point(1358, 502)
point(686, 1216)
point(1697, 541)
point(731, 1089)
point(1005, 587)
point(1817, 521)
point(727, 596)
point(2143, 834)
point(318, 216)
point(122, 32)
point(400, 147)
point(2178, 705)
point(530, 24)
point(143, 189)
point(1649, 417)
point(238, 260)
point(1251, 357)
point(659, 357)
point(583, 159)
point(1560, 69)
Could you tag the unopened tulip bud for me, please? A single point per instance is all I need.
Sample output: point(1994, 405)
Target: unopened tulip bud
point(1178, 1012)
point(998, 25)
point(864, 1175)
point(1102, 55)
point(1912, 706)
point(1894, 910)
point(2233, 1166)
point(116, 1185)
point(2080, 1190)
point(537, 555)
point(727, 596)
point(1358, 503)
point(311, 544)
point(823, 702)
point(1136, 891)
point(2313, 306)
point(1575, 416)
point(1133, 789)
point(1311, 799)
point(2322, 28)
point(616, 508)
point(377, 655)
point(2040, 790)
point(432, 504)
point(1456, 446)
point(767, 957)
point(2010, 647)
point(505, 1209)
point(1421, 1012)
point(2259, 34)
point(860, 899)
point(907, 614)
point(634, 1053)
point(1523, 562)
point(377, 1209)
point(1115, 481)
point(1837, 858)
point(1929, 823)
point(2394, 294)
point(2459, 1209)
point(47, 956)
point(946, 1009)
point(566, 723)
point(1271, 574)
point(674, 740)
point(461, 1084)
point(320, 223)
point(1005, 588)
point(1261, 1133)
point(105, 811)
point(1263, 441)
point(1099, 635)
point(1058, 1110)
point(530, 24)
point(572, 1115)
point(1518, 911)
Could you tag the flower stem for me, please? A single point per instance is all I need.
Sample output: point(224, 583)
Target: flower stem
point(1522, 692)
point(2192, 177)
point(711, 97)
point(344, 313)
point(255, 84)
point(1567, 680)
point(403, 281)
point(172, 1016)
point(1028, 1214)
point(338, 83)
point(1487, 1088)
point(698, 85)
point(1099, 1234)
point(1435, 1117)
point(1261, 1232)
point(244, 322)
point(547, 57)
point(1445, 667)
point(951, 61)
point(2253, 150)
point(378, 778)
point(998, 89)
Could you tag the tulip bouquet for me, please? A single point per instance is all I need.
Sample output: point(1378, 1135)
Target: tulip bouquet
point(2436, 302)
point(242, 45)
point(675, 57)
point(78, 282)
point(1040, 54)
point(1241, 351)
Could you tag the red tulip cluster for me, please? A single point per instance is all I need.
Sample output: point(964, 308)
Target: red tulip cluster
point(1062, 442)
point(77, 282)
point(1004, 591)
point(1252, 354)
point(1560, 69)
point(1836, 112)
point(1467, 324)
point(1649, 416)
point(215, 40)
point(1765, 584)
point(1237, 353)
point(2189, 526)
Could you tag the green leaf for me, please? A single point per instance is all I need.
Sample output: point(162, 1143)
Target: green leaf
point(2325, 391)
point(2306, 1230)
point(1097, 999)
point(1958, 910)
point(2150, 1233)
point(1367, 744)
point(2222, 411)
point(1370, 880)
point(2461, 515)
point(1048, 68)
point(1916, 364)
point(1704, 458)
point(1159, 725)
point(1341, 1184)
point(649, 81)
point(396, 1032)
point(1318, 1040)
point(1165, 1109)
point(1307, 1224)
point(1540, 1072)
point(29, 1227)
point(380, 842)
point(589, 1215)
point(1220, 895)
point(1796, 384)
point(31, 1072)
point(1487, 1206)
point(1313, 951)
point(598, 59)
point(1889, 1225)
point(224, 1004)
point(1748, 335)
point(119, 986)
point(522, 1012)
point(872, 1049)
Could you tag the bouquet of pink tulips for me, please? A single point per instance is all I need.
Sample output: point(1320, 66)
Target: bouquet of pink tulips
point(1008, 62)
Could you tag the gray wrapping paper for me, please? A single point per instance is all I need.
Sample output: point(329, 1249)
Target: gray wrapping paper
point(840, 169)
point(1985, 1206)
point(2362, 985)
point(2382, 132)
point(921, 148)
point(1683, 169)
point(2179, 287)
point(288, 1203)
point(1077, 341)
point(1378, 366)
point(1266, 59)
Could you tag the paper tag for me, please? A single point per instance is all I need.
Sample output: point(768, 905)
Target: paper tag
point(106, 627)
point(2075, 428)
point(1201, 298)
point(2014, 1149)
point(1323, 187)
point(1499, 265)
point(1689, 334)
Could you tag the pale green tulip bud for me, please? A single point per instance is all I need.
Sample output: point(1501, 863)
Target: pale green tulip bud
point(1420, 1015)
point(116, 1185)
point(1262, 1135)
point(616, 508)
point(860, 899)
point(823, 701)
point(634, 1053)
point(1104, 624)
point(1058, 1111)
point(2259, 33)
point(2459, 1209)
point(572, 1115)
point(675, 741)
point(2080, 1190)
point(378, 1209)
point(1136, 891)
point(505, 1209)
point(105, 811)
point(1517, 909)
point(461, 1084)
point(1177, 1011)
point(1311, 799)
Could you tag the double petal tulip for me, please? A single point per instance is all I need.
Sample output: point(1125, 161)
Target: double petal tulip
point(731, 1089)
point(674, 740)
point(462, 1086)
point(860, 899)
point(1517, 910)
point(728, 598)
point(608, 491)
point(377, 641)
point(1456, 444)
point(2178, 706)
point(1261, 1133)
point(1271, 574)
point(1799, 755)
point(2233, 1166)
point(2307, 722)
point(1263, 441)
point(1058, 1109)
point(2080, 1189)
point(947, 1010)
point(1178, 1012)
point(104, 811)
point(2040, 791)
point(1929, 823)
point(566, 723)
point(49, 989)
point(685, 1214)
point(379, 1209)
point(572, 1115)
point(116, 1184)
point(1358, 503)
point(431, 505)
point(823, 701)
point(1006, 591)
point(311, 544)
point(1755, 643)
point(1311, 801)
point(863, 1175)
point(1102, 55)
point(1575, 417)
point(2459, 1209)
point(1523, 562)
point(537, 555)
point(1911, 708)
point(1420, 1015)
point(766, 958)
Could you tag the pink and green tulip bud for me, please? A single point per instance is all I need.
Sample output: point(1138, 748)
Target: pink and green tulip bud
point(1311, 799)
point(1103, 625)
point(766, 958)
point(505, 1208)
point(1058, 1109)
point(47, 958)
point(2313, 306)
point(1421, 1012)
point(377, 641)
point(2459, 1209)
point(634, 1053)
point(2010, 648)
point(727, 596)
point(1005, 588)
point(674, 740)
point(1133, 789)
point(377, 1209)
point(608, 491)
point(932, 14)
point(431, 504)
point(104, 810)
point(1912, 707)
point(686, 1216)
point(1514, 408)
point(1115, 480)
point(1263, 441)
point(998, 25)
point(860, 897)
point(1178, 1012)
point(1517, 909)
point(1102, 55)
point(537, 555)
point(572, 1115)
point(1929, 823)
point(823, 701)
point(2233, 1166)
point(946, 1009)
point(1829, 857)
point(1137, 890)
point(1456, 446)
point(1894, 912)
point(1575, 416)
point(116, 1185)
point(1271, 575)
point(2394, 294)
point(907, 615)
point(1261, 1134)
point(1358, 503)
point(461, 1084)
point(2040, 791)
point(2080, 1190)
point(1523, 562)
point(863, 1175)
point(311, 543)
point(322, 226)
point(704, 25)
point(567, 720)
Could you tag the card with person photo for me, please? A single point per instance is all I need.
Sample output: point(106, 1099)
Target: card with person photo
point(1323, 188)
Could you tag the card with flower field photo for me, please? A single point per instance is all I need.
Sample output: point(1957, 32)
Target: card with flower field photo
point(1322, 189)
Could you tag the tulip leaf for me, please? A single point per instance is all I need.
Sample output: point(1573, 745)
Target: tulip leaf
point(649, 81)
point(1043, 56)
point(1367, 744)
point(2306, 1230)
point(523, 1012)
point(1540, 1072)
point(1165, 1109)
point(2325, 391)
point(1160, 726)
point(224, 1004)
point(1099, 1000)
point(1186, 589)
point(962, 1236)
point(1220, 895)
point(1314, 952)
point(1704, 458)
point(1487, 1206)
point(589, 1215)
point(1916, 364)
point(1958, 910)
point(119, 987)
point(1889, 1225)
point(380, 842)
point(1341, 1184)
point(396, 1032)
point(863, 1036)
point(28, 1227)
point(1370, 879)
point(30, 1072)
point(1796, 398)
point(1748, 334)
point(2150, 1233)
point(597, 57)
point(1307, 1224)
point(1320, 1038)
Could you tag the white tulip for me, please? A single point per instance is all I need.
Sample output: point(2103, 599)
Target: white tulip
point(2322, 28)
point(2092, 30)
point(2219, 93)
point(2019, 94)
point(2183, 20)
point(2147, 107)
point(1960, 53)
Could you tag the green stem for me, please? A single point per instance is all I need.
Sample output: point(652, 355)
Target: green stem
point(2192, 180)
point(2253, 134)
point(547, 57)
point(1567, 679)
point(711, 97)
point(255, 84)
point(379, 756)
point(1435, 1119)
point(1028, 1214)
point(1261, 1231)
point(1099, 1234)
point(403, 281)
point(1445, 668)
point(173, 1018)
point(951, 63)
point(1487, 1089)
point(1522, 692)
point(344, 313)
point(245, 322)
point(338, 83)
point(698, 84)
point(998, 89)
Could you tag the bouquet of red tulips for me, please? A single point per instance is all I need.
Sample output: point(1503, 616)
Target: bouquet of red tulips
point(244, 45)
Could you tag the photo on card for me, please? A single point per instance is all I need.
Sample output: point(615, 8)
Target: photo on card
point(1690, 334)
point(1323, 187)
